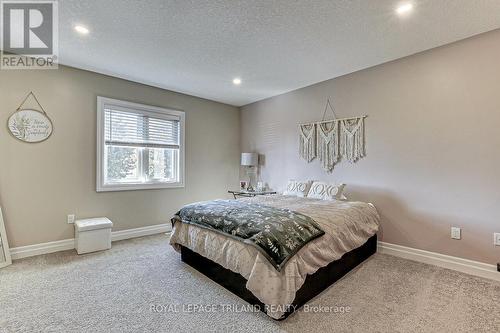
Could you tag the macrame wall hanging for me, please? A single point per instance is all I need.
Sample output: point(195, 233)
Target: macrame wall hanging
point(307, 141)
point(330, 140)
point(328, 144)
point(352, 138)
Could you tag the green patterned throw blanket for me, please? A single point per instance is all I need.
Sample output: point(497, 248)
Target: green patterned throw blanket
point(277, 233)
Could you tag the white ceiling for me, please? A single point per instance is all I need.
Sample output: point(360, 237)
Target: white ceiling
point(197, 47)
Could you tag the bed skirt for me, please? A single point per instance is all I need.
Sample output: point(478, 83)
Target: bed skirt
point(313, 285)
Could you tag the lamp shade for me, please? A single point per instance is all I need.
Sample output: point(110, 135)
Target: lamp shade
point(249, 159)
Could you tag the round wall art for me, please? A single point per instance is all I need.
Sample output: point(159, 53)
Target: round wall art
point(30, 125)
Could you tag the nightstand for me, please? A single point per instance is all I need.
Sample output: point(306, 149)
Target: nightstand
point(244, 193)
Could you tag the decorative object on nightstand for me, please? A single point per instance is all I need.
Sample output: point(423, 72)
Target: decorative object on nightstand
point(250, 161)
point(247, 193)
point(261, 186)
point(5, 259)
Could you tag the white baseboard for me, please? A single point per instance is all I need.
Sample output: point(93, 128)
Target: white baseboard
point(69, 244)
point(139, 232)
point(455, 263)
point(43, 248)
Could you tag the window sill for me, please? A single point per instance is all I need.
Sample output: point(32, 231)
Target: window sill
point(135, 187)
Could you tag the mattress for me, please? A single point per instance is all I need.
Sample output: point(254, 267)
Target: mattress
point(347, 226)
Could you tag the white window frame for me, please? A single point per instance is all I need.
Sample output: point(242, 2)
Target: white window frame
point(101, 186)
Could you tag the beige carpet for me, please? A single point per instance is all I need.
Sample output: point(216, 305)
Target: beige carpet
point(113, 291)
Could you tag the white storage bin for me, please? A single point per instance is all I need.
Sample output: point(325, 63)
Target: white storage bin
point(93, 235)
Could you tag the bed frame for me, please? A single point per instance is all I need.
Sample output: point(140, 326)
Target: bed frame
point(313, 285)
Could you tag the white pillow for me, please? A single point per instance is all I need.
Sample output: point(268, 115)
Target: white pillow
point(324, 191)
point(297, 188)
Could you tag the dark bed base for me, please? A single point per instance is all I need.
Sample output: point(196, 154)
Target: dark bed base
point(313, 285)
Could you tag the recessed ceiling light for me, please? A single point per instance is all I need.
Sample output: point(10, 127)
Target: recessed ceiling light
point(237, 81)
point(81, 29)
point(403, 9)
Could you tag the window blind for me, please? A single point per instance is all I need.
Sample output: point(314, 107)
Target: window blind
point(137, 129)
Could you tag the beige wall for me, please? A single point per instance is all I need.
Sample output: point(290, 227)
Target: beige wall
point(41, 183)
point(433, 144)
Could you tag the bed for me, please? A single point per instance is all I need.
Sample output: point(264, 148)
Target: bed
point(349, 238)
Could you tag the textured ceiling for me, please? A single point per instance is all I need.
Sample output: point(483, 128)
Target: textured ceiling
point(197, 47)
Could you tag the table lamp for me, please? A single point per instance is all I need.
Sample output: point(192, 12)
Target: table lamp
point(250, 161)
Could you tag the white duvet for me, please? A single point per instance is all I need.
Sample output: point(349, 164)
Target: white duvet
point(347, 225)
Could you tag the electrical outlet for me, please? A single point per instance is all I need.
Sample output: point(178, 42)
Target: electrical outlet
point(456, 233)
point(496, 238)
point(71, 218)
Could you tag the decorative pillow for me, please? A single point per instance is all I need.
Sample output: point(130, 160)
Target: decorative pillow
point(297, 188)
point(324, 191)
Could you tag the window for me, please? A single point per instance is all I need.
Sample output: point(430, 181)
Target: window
point(138, 146)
